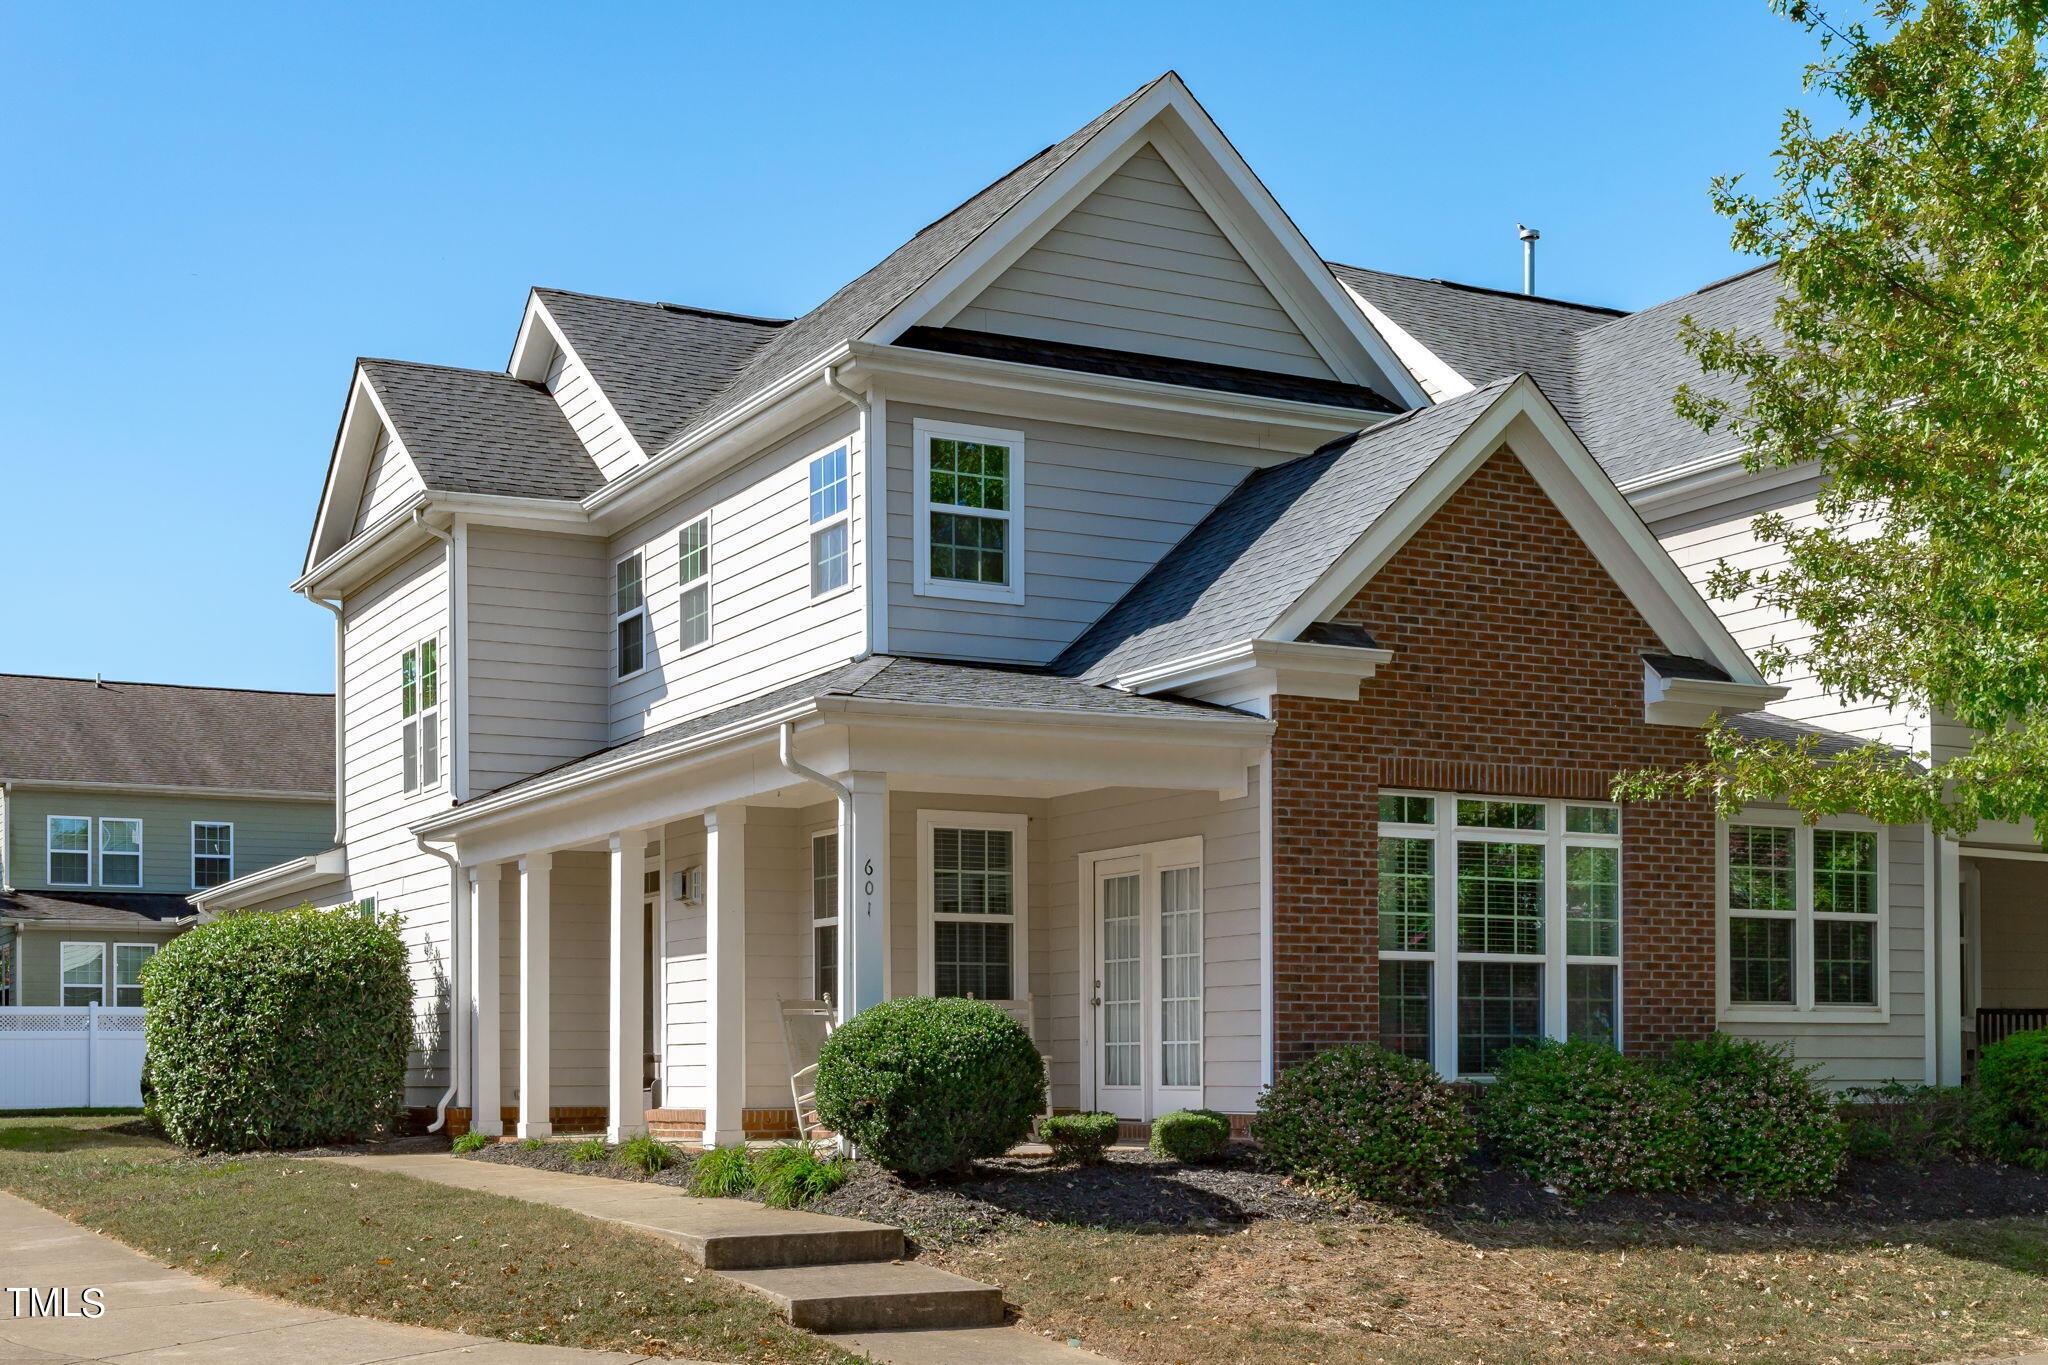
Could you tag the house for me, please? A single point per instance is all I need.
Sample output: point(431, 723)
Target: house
point(120, 799)
point(1107, 607)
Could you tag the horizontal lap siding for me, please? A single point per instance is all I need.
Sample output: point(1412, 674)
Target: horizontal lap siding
point(1099, 508)
point(1139, 265)
point(266, 832)
point(391, 482)
point(38, 962)
point(603, 436)
point(686, 978)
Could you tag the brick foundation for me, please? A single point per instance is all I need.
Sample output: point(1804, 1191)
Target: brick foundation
point(1516, 672)
point(670, 1125)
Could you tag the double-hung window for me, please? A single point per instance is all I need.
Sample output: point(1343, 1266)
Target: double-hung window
point(831, 523)
point(419, 709)
point(120, 852)
point(629, 616)
point(213, 852)
point(70, 849)
point(1500, 924)
point(970, 483)
point(129, 960)
point(974, 895)
point(825, 915)
point(1803, 910)
point(693, 571)
point(82, 969)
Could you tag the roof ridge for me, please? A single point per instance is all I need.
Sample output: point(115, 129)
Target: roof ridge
point(1484, 289)
point(190, 687)
point(661, 304)
point(431, 365)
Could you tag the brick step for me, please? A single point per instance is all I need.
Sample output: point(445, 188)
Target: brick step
point(874, 1296)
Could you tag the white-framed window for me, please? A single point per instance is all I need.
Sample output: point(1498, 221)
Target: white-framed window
point(1804, 917)
point(120, 851)
point(419, 709)
point(629, 616)
point(970, 486)
point(972, 895)
point(831, 523)
point(129, 960)
point(1500, 924)
point(693, 572)
point(825, 915)
point(213, 852)
point(83, 973)
point(70, 850)
point(7, 972)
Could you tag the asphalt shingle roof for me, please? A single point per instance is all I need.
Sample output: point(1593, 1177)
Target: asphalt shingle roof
point(1830, 743)
point(1265, 544)
point(658, 363)
point(116, 910)
point(482, 431)
point(155, 734)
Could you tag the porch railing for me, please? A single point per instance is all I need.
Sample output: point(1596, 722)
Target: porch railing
point(1992, 1025)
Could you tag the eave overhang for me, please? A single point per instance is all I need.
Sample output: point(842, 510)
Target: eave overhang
point(286, 878)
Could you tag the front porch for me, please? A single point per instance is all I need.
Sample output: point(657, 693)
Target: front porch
point(2005, 932)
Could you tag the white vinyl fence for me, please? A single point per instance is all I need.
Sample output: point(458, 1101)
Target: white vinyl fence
point(70, 1057)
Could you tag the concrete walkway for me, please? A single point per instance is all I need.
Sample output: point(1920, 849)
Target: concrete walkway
point(155, 1315)
point(778, 1253)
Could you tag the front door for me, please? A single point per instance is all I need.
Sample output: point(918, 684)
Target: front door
point(1147, 1035)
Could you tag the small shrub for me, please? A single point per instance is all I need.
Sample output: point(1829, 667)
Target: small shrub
point(274, 1031)
point(645, 1153)
point(1587, 1121)
point(1190, 1135)
point(1768, 1129)
point(470, 1142)
point(2012, 1080)
point(1914, 1124)
point(590, 1149)
point(924, 1085)
point(1078, 1137)
point(533, 1144)
point(1375, 1123)
point(792, 1175)
point(722, 1173)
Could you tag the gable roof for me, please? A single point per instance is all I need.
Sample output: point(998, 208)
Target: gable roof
point(1261, 548)
point(481, 431)
point(659, 364)
point(163, 735)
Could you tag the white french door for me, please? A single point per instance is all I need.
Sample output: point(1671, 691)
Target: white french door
point(1145, 1044)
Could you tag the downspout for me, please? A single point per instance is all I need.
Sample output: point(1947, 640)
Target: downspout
point(786, 755)
point(458, 1002)
point(340, 729)
point(874, 558)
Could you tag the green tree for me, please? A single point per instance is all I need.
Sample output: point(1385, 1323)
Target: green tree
point(1909, 357)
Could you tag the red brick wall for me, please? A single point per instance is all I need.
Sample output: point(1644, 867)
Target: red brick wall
point(1516, 672)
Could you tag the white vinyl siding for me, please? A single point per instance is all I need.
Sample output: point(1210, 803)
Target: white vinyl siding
point(390, 482)
point(1140, 266)
point(266, 832)
point(610, 445)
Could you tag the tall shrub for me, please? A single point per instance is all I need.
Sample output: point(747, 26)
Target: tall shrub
point(1767, 1128)
point(924, 1085)
point(2012, 1116)
point(1381, 1125)
point(279, 1030)
point(1587, 1121)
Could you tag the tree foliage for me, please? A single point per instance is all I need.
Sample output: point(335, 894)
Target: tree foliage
point(1909, 357)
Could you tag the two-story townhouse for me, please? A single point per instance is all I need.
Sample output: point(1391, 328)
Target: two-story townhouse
point(118, 800)
point(1104, 606)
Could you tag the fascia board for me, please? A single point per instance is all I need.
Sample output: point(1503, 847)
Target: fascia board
point(1290, 665)
point(1703, 484)
point(165, 789)
point(348, 463)
point(281, 880)
point(380, 544)
point(1426, 366)
point(1232, 730)
point(1695, 701)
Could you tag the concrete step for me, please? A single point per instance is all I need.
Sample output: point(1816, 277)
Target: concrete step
point(733, 1235)
point(875, 1296)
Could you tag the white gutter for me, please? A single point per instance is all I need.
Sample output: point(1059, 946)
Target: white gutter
point(458, 995)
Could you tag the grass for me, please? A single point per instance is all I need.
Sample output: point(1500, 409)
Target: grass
point(384, 1246)
point(1406, 1293)
point(722, 1173)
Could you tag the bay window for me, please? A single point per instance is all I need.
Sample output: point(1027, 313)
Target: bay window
point(1803, 910)
point(1499, 923)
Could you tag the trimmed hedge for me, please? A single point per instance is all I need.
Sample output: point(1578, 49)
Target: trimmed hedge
point(2012, 1081)
point(1587, 1121)
point(1378, 1124)
point(284, 1030)
point(923, 1085)
point(1078, 1137)
point(1190, 1135)
point(1768, 1130)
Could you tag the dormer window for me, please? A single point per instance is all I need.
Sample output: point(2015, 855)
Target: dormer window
point(629, 617)
point(969, 486)
point(830, 523)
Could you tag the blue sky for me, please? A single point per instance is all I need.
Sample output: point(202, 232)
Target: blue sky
point(213, 209)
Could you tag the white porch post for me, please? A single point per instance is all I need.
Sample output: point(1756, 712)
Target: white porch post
point(864, 894)
point(725, 950)
point(627, 1101)
point(536, 877)
point(486, 1099)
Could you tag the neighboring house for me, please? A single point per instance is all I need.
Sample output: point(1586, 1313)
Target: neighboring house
point(119, 799)
point(1107, 607)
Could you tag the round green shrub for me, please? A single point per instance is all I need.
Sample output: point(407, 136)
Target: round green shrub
point(1378, 1124)
point(1078, 1137)
point(924, 1085)
point(1587, 1121)
point(1768, 1130)
point(2012, 1114)
point(269, 1031)
point(1190, 1135)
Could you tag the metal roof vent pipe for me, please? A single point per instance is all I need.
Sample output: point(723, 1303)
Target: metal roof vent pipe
point(1529, 238)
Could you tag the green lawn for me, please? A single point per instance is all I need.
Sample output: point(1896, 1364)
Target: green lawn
point(384, 1246)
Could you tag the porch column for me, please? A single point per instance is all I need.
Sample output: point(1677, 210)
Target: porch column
point(626, 1099)
point(864, 894)
point(725, 951)
point(536, 877)
point(486, 1091)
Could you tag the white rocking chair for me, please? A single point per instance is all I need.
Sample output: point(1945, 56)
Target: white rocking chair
point(806, 1024)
